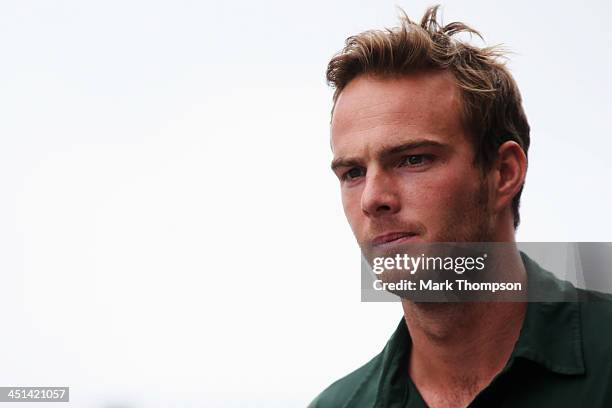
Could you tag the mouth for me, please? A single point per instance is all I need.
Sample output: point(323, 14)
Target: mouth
point(393, 238)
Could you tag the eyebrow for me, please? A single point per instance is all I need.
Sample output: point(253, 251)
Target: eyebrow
point(386, 152)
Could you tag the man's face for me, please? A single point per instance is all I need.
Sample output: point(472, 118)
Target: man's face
point(406, 164)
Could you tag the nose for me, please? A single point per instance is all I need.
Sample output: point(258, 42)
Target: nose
point(379, 196)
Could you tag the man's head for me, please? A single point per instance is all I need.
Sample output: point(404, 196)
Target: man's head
point(429, 136)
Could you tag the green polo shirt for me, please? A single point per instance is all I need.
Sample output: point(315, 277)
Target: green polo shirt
point(563, 358)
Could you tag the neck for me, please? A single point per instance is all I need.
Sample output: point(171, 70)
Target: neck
point(463, 344)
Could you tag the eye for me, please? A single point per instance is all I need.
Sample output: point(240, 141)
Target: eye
point(415, 160)
point(353, 173)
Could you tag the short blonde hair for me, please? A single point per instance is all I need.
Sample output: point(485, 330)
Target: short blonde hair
point(492, 109)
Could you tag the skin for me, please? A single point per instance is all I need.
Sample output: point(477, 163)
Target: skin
point(406, 164)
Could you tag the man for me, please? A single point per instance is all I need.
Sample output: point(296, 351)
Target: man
point(430, 145)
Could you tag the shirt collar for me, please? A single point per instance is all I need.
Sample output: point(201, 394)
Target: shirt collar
point(551, 335)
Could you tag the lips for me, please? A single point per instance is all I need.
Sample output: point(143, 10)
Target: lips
point(393, 237)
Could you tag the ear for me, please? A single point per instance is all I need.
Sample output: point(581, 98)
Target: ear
point(510, 169)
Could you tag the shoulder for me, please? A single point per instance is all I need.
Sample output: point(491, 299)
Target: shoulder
point(359, 385)
point(596, 319)
point(596, 316)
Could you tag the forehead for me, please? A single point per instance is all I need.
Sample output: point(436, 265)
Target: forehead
point(374, 112)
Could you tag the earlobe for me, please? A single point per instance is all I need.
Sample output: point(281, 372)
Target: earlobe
point(511, 167)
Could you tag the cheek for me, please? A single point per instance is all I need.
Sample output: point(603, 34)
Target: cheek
point(442, 195)
point(351, 202)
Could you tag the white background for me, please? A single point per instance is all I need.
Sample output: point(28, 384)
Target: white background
point(170, 231)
